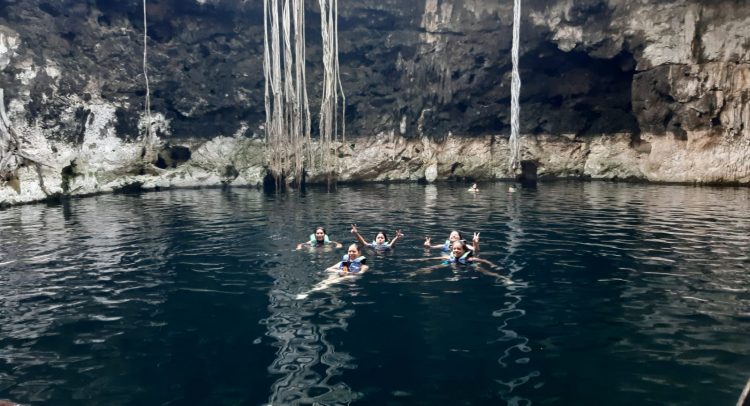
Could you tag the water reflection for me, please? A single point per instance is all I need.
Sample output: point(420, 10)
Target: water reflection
point(307, 362)
point(308, 366)
point(657, 275)
point(66, 277)
point(516, 355)
point(112, 299)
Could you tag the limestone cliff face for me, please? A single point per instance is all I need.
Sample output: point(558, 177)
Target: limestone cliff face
point(651, 89)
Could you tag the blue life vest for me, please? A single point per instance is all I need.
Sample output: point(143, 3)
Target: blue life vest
point(463, 259)
point(355, 265)
point(381, 247)
point(447, 246)
point(315, 242)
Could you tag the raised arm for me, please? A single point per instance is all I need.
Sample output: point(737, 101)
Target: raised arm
point(396, 238)
point(358, 235)
point(428, 244)
point(475, 243)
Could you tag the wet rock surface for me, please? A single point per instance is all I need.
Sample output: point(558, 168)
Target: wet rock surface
point(614, 86)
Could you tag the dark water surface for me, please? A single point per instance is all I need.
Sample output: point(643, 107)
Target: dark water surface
point(621, 295)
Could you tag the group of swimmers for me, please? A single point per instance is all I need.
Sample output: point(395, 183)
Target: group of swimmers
point(457, 251)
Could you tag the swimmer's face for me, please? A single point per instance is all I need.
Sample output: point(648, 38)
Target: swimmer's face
point(380, 238)
point(454, 236)
point(353, 251)
point(457, 249)
point(320, 234)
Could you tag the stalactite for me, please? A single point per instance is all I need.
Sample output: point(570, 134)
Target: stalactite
point(515, 90)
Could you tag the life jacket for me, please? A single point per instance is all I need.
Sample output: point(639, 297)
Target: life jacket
point(315, 242)
point(447, 246)
point(354, 265)
point(382, 247)
point(463, 259)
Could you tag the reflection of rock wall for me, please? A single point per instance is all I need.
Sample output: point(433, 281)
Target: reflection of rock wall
point(653, 89)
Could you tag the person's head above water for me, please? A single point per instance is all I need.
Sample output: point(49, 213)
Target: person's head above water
point(354, 251)
point(455, 236)
point(459, 248)
point(319, 237)
point(381, 238)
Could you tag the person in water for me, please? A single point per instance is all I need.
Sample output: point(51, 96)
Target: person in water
point(380, 243)
point(319, 239)
point(454, 236)
point(461, 256)
point(352, 263)
point(474, 188)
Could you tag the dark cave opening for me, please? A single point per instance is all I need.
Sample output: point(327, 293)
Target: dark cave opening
point(574, 93)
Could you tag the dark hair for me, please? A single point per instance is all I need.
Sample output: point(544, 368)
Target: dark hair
point(457, 232)
point(320, 228)
point(464, 246)
point(384, 235)
point(359, 249)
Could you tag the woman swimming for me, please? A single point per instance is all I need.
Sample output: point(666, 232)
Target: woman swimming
point(462, 255)
point(319, 238)
point(380, 243)
point(352, 264)
point(454, 236)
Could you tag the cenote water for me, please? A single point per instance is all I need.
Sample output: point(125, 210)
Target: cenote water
point(621, 295)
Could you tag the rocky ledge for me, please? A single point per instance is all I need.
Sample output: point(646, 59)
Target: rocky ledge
point(612, 89)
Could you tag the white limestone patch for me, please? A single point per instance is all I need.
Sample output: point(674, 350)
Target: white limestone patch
point(611, 157)
point(102, 150)
point(9, 42)
point(663, 26)
point(704, 157)
point(159, 123)
point(728, 40)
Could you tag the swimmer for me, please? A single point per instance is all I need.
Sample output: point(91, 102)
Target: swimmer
point(351, 265)
point(474, 188)
point(380, 243)
point(462, 256)
point(319, 239)
point(454, 236)
point(511, 189)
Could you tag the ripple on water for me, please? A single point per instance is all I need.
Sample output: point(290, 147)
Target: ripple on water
point(118, 297)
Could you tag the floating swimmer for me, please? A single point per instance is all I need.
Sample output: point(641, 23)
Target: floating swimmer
point(351, 265)
point(380, 243)
point(474, 188)
point(454, 236)
point(319, 239)
point(462, 256)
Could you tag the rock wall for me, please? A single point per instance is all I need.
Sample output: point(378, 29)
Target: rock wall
point(612, 89)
